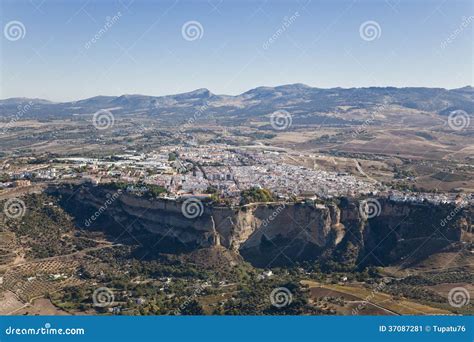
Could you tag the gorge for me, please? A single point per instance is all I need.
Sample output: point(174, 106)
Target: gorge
point(277, 234)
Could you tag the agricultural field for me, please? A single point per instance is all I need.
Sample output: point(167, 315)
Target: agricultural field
point(356, 296)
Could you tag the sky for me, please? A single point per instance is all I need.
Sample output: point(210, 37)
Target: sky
point(75, 49)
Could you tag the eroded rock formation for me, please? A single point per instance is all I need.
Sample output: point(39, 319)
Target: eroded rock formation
point(275, 234)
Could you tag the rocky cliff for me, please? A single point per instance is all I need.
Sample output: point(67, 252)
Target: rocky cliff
point(277, 233)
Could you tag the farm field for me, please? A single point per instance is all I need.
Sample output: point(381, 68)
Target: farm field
point(383, 301)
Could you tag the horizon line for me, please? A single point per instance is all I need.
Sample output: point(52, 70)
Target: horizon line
point(235, 95)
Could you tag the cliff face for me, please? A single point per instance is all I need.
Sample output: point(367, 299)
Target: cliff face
point(277, 234)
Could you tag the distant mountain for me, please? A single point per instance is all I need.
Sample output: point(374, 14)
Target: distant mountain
point(296, 98)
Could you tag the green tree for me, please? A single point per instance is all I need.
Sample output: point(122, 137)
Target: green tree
point(192, 308)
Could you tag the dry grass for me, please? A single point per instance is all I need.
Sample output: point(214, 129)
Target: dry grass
point(402, 306)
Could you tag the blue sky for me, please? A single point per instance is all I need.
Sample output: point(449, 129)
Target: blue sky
point(144, 51)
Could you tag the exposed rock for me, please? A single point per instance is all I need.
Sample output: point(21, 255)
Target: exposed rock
point(276, 234)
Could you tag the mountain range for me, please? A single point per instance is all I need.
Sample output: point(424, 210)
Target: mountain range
point(298, 99)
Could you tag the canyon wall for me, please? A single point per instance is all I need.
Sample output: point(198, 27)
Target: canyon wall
point(275, 234)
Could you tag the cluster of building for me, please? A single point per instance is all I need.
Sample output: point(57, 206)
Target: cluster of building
point(218, 169)
point(435, 198)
